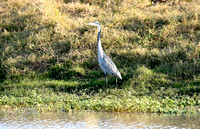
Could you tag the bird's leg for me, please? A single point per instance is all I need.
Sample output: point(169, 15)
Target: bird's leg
point(106, 79)
point(116, 82)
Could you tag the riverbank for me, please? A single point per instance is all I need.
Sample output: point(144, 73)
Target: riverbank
point(48, 56)
point(54, 95)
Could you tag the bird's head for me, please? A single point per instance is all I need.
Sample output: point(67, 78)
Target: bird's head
point(96, 23)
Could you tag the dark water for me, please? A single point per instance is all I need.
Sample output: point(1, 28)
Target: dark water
point(93, 120)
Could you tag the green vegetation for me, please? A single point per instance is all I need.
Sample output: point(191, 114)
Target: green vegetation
point(48, 56)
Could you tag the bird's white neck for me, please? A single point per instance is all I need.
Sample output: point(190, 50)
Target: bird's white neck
point(99, 47)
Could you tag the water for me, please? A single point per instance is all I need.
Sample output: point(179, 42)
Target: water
point(87, 120)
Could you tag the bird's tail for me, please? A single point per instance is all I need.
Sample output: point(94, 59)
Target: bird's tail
point(119, 75)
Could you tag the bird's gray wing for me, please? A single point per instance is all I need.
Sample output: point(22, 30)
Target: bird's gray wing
point(110, 66)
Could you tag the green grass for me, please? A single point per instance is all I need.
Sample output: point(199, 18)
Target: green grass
point(49, 56)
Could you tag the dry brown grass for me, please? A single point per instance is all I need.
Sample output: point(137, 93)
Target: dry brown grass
point(38, 34)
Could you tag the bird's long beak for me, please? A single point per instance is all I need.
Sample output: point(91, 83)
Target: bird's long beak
point(92, 24)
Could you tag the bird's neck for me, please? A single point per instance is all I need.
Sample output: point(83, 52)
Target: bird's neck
point(99, 47)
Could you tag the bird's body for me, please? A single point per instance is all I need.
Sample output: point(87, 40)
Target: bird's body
point(106, 64)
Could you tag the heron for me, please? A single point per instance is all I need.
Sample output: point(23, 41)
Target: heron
point(105, 63)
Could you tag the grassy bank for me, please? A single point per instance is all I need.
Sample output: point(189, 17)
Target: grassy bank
point(49, 55)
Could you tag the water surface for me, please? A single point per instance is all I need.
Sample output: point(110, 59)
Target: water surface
point(87, 120)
